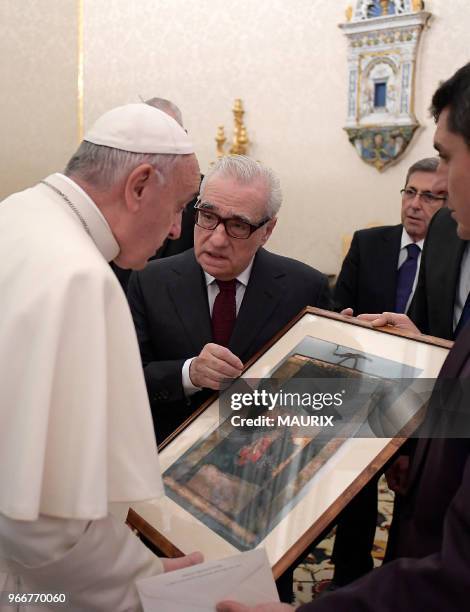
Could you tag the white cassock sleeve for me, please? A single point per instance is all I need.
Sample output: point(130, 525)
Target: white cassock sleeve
point(95, 563)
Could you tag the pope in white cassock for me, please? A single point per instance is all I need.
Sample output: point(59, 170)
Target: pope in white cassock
point(76, 432)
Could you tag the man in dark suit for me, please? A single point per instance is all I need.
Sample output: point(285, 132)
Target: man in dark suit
point(444, 280)
point(369, 280)
point(181, 235)
point(431, 544)
point(378, 274)
point(202, 314)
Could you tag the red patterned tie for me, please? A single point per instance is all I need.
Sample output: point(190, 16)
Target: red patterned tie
point(224, 312)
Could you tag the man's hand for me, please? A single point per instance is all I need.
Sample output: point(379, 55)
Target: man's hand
point(233, 606)
point(395, 319)
point(398, 473)
point(347, 312)
point(193, 558)
point(214, 364)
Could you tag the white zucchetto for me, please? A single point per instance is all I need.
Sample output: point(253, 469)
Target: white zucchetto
point(140, 128)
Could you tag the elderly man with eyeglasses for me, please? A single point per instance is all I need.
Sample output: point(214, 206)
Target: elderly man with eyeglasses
point(380, 270)
point(202, 314)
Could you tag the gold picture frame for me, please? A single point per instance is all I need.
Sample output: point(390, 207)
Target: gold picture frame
point(229, 490)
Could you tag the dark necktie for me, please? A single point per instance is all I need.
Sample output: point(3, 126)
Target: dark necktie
point(464, 317)
point(406, 276)
point(224, 312)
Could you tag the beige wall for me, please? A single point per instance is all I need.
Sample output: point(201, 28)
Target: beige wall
point(286, 60)
point(38, 103)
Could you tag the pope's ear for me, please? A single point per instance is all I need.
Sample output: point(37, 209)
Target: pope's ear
point(137, 183)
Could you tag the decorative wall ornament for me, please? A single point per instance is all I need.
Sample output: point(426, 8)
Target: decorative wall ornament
point(240, 140)
point(383, 42)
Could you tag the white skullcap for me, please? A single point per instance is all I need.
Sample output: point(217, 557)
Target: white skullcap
point(140, 128)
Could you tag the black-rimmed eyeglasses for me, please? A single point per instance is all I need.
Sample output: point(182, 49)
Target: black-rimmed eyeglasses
point(426, 196)
point(234, 226)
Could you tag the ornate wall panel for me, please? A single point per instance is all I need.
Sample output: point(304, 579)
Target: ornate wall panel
point(383, 38)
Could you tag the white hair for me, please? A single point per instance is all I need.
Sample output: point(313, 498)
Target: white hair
point(103, 166)
point(245, 170)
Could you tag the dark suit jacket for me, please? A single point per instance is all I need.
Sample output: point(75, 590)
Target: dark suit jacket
point(368, 278)
point(168, 300)
point(432, 538)
point(432, 308)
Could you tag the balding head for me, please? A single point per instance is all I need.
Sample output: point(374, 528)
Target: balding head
point(167, 107)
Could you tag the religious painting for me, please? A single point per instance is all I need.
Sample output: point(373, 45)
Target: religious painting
point(242, 481)
point(276, 473)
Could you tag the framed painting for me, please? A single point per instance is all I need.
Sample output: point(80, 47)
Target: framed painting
point(275, 457)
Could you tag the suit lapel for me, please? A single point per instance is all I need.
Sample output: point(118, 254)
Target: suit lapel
point(451, 369)
point(458, 355)
point(447, 268)
point(262, 296)
point(188, 293)
point(389, 255)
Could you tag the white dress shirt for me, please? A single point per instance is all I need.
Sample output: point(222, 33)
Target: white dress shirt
point(212, 292)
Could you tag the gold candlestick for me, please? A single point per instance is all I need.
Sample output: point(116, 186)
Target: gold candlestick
point(243, 141)
point(240, 141)
point(220, 140)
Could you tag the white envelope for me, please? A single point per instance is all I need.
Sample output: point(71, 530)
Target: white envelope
point(246, 578)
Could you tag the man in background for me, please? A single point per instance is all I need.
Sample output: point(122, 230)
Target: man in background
point(380, 270)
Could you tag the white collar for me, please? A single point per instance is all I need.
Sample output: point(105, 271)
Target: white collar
point(100, 231)
point(242, 278)
point(406, 240)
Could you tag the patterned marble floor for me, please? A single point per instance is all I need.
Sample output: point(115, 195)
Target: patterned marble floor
point(312, 576)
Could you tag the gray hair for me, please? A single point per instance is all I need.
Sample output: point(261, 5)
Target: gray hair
point(428, 164)
point(102, 166)
point(167, 107)
point(245, 170)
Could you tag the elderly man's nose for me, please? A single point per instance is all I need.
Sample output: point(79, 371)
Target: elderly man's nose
point(219, 234)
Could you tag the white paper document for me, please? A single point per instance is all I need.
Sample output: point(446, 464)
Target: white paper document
point(246, 578)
